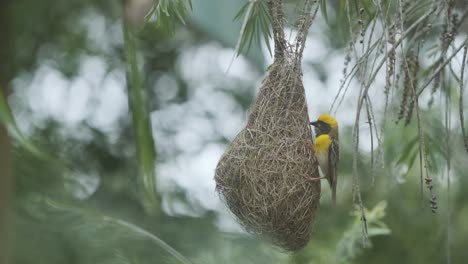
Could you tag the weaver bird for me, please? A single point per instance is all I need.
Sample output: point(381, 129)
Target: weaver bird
point(327, 149)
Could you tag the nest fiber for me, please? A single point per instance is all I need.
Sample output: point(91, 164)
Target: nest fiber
point(264, 175)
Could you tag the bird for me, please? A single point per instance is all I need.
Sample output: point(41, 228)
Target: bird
point(327, 149)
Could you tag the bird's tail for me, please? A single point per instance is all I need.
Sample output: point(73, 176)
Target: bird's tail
point(333, 189)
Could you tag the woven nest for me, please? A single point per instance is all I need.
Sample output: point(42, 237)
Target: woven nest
point(264, 175)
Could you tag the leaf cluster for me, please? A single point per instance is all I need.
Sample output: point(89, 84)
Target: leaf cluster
point(166, 13)
point(255, 26)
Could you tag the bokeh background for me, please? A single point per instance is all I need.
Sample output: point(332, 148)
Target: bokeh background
point(70, 185)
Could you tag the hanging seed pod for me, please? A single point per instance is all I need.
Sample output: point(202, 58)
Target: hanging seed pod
point(435, 87)
point(390, 62)
point(412, 74)
point(410, 66)
point(266, 174)
point(406, 90)
point(433, 200)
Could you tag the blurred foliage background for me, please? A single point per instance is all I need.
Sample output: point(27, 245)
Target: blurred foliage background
point(111, 128)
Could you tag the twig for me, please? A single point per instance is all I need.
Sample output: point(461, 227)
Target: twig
point(304, 29)
point(277, 23)
point(377, 135)
point(397, 43)
point(363, 93)
point(440, 68)
point(369, 120)
point(448, 158)
point(460, 105)
point(348, 77)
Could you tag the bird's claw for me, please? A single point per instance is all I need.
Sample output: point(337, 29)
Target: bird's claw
point(315, 179)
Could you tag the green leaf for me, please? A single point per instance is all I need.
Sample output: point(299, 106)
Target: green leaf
point(242, 11)
point(323, 9)
point(408, 151)
point(350, 245)
point(7, 119)
point(104, 221)
point(374, 231)
point(265, 22)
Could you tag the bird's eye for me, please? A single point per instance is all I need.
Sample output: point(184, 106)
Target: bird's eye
point(325, 128)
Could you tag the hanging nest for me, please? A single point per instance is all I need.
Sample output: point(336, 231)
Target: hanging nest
point(264, 176)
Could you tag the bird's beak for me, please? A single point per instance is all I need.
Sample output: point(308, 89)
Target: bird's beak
point(315, 123)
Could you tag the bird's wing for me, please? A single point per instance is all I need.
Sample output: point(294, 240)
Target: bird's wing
point(333, 168)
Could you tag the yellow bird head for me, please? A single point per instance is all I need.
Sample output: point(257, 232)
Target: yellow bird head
point(328, 119)
point(325, 124)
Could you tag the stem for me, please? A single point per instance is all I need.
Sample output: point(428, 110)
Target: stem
point(146, 152)
point(460, 105)
point(5, 190)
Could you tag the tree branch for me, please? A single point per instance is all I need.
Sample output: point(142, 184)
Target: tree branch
point(277, 23)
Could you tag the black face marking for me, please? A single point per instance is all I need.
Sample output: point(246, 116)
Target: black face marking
point(321, 128)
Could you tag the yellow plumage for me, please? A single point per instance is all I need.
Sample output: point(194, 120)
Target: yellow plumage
point(322, 146)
